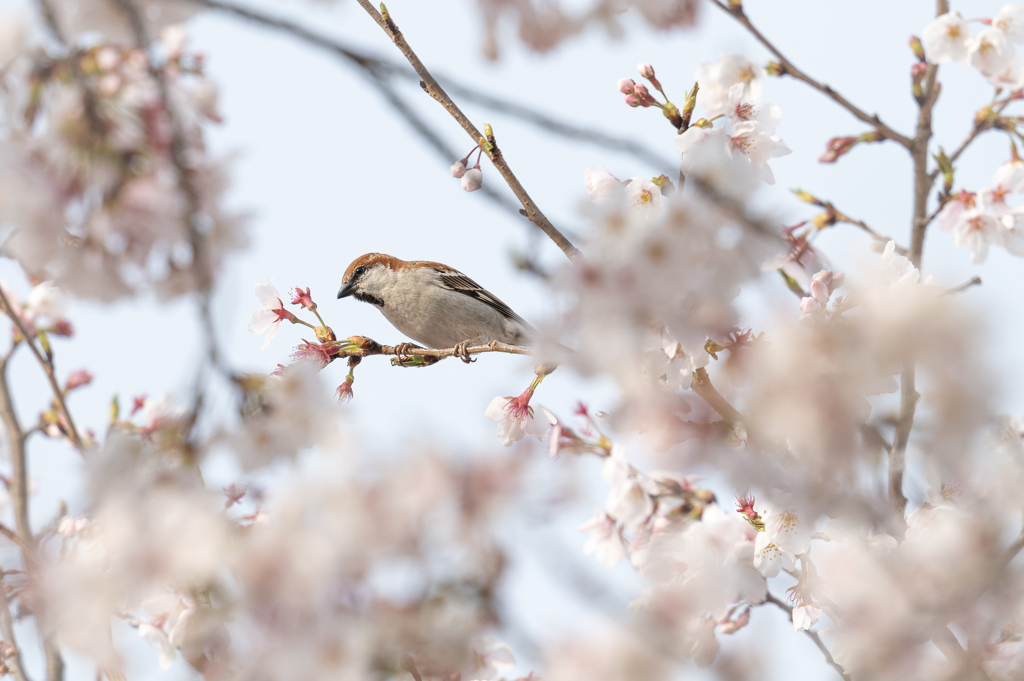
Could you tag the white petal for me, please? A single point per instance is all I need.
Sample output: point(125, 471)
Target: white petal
point(266, 293)
point(270, 334)
point(496, 409)
point(261, 320)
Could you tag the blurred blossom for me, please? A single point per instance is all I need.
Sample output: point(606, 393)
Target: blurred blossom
point(46, 300)
point(1010, 20)
point(990, 51)
point(541, 26)
point(805, 616)
point(86, 219)
point(491, 658)
point(975, 230)
point(604, 542)
point(946, 39)
point(717, 78)
point(291, 411)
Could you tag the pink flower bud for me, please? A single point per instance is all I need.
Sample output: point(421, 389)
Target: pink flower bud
point(632, 100)
point(626, 86)
point(61, 327)
point(303, 298)
point(641, 91)
point(458, 169)
point(836, 147)
point(837, 282)
point(824, 276)
point(473, 179)
point(808, 305)
point(819, 291)
point(645, 70)
point(78, 379)
point(344, 392)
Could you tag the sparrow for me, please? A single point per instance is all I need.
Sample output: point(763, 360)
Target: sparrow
point(432, 303)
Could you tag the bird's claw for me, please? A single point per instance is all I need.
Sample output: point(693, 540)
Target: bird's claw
point(462, 352)
point(402, 351)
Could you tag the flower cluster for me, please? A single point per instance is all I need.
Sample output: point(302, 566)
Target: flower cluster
point(109, 188)
point(991, 50)
point(732, 89)
point(977, 219)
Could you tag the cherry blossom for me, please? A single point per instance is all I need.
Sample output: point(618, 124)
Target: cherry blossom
point(785, 537)
point(605, 542)
point(645, 197)
point(1010, 233)
point(993, 201)
point(716, 80)
point(767, 116)
point(805, 616)
point(990, 51)
point(975, 230)
point(600, 183)
point(46, 300)
point(270, 315)
point(758, 147)
point(1010, 78)
point(491, 658)
point(515, 418)
point(946, 39)
point(950, 214)
point(896, 270)
point(1010, 20)
point(628, 500)
point(1010, 175)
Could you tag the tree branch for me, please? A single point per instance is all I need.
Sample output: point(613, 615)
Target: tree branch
point(18, 489)
point(881, 238)
point(922, 188)
point(47, 364)
point(7, 629)
point(431, 86)
point(813, 636)
point(360, 346)
point(736, 12)
point(703, 387)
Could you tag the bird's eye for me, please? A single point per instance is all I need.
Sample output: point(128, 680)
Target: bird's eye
point(360, 271)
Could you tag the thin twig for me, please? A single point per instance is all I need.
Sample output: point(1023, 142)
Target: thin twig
point(703, 387)
point(178, 146)
point(7, 628)
point(736, 11)
point(975, 281)
point(369, 348)
point(16, 444)
point(813, 636)
point(975, 131)
point(922, 188)
point(881, 238)
point(18, 490)
point(431, 86)
point(51, 375)
point(380, 69)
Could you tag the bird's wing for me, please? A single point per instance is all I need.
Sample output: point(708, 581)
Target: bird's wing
point(454, 280)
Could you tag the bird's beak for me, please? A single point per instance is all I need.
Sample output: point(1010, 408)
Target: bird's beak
point(346, 290)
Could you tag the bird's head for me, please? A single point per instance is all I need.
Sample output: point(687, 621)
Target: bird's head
point(367, 276)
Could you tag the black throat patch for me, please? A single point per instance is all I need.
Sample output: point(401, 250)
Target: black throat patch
point(367, 298)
